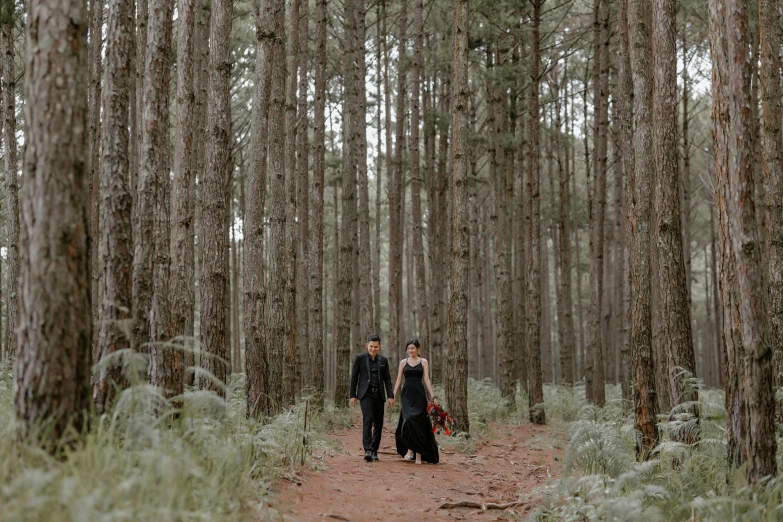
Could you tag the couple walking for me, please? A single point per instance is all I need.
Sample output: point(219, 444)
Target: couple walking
point(371, 383)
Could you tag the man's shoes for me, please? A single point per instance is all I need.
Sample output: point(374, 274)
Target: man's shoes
point(374, 455)
point(368, 456)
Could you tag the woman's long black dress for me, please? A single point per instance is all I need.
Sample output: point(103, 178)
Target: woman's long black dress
point(414, 430)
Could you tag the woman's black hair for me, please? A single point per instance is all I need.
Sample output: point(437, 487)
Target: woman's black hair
point(414, 342)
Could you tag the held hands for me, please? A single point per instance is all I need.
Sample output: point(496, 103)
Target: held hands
point(391, 403)
point(353, 402)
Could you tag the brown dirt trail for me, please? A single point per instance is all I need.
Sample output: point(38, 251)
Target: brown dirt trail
point(514, 463)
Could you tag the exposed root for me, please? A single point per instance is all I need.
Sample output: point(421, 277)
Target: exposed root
point(479, 505)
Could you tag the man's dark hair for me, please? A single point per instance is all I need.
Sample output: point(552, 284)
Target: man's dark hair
point(373, 338)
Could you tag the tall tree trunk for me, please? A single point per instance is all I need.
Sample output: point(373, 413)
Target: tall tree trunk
point(498, 126)
point(595, 357)
point(256, 361)
point(214, 273)
point(302, 204)
point(133, 123)
point(93, 159)
point(674, 312)
point(291, 368)
point(396, 200)
point(116, 240)
point(769, 18)
point(731, 87)
point(645, 401)
point(457, 374)
point(348, 239)
point(625, 114)
point(565, 319)
point(317, 200)
point(685, 175)
point(276, 335)
point(52, 369)
point(11, 178)
point(200, 83)
point(423, 325)
point(533, 329)
point(182, 297)
point(376, 260)
point(153, 197)
point(142, 190)
point(360, 156)
point(394, 282)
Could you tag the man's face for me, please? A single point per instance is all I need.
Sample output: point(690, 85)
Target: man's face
point(373, 347)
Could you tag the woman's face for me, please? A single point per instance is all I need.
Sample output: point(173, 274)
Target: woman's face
point(412, 350)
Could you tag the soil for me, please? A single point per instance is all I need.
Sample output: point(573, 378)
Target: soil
point(508, 468)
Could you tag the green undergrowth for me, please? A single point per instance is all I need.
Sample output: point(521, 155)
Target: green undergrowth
point(210, 463)
point(602, 480)
point(488, 409)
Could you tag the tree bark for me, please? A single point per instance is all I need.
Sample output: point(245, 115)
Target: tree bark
point(360, 157)
point(93, 159)
point(376, 261)
point(214, 272)
point(154, 171)
point(291, 368)
point(52, 369)
point(116, 240)
point(11, 179)
point(731, 87)
point(182, 297)
point(317, 201)
point(457, 373)
point(423, 326)
point(533, 329)
point(302, 204)
point(256, 361)
point(502, 195)
point(595, 358)
point(769, 18)
point(625, 114)
point(565, 318)
point(396, 200)
point(645, 401)
point(685, 175)
point(674, 312)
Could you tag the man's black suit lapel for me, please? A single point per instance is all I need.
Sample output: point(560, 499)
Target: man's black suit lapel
point(367, 364)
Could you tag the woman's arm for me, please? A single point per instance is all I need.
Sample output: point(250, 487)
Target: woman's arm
point(398, 382)
point(427, 383)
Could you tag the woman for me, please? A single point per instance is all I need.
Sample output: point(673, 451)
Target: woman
point(415, 439)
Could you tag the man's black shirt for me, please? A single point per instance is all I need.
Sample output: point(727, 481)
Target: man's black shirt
point(375, 381)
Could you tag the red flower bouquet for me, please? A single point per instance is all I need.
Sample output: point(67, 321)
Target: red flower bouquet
point(439, 418)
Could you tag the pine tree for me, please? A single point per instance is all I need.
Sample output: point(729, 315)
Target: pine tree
point(214, 273)
point(457, 367)
point(115, 239)
point(55, 318)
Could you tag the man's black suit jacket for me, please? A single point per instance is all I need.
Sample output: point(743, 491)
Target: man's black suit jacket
point(360, 376)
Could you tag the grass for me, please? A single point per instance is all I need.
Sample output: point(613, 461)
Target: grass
point(602, 480)
point(211, 464)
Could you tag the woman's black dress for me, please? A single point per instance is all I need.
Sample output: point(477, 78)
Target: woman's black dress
point(414, 430)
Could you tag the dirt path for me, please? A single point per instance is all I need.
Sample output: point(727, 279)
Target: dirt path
point(516, 461)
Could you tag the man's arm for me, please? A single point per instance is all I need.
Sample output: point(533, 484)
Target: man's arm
point(355, 377)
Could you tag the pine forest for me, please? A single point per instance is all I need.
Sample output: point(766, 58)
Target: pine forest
point(210, 208)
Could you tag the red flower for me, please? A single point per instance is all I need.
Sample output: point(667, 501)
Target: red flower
point(440, 419)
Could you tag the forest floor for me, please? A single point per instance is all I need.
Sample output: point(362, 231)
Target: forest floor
point(503, 469)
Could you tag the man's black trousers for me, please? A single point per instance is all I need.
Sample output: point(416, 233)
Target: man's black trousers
point(372, 415)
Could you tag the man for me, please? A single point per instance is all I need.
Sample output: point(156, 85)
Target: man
point(369, 371)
